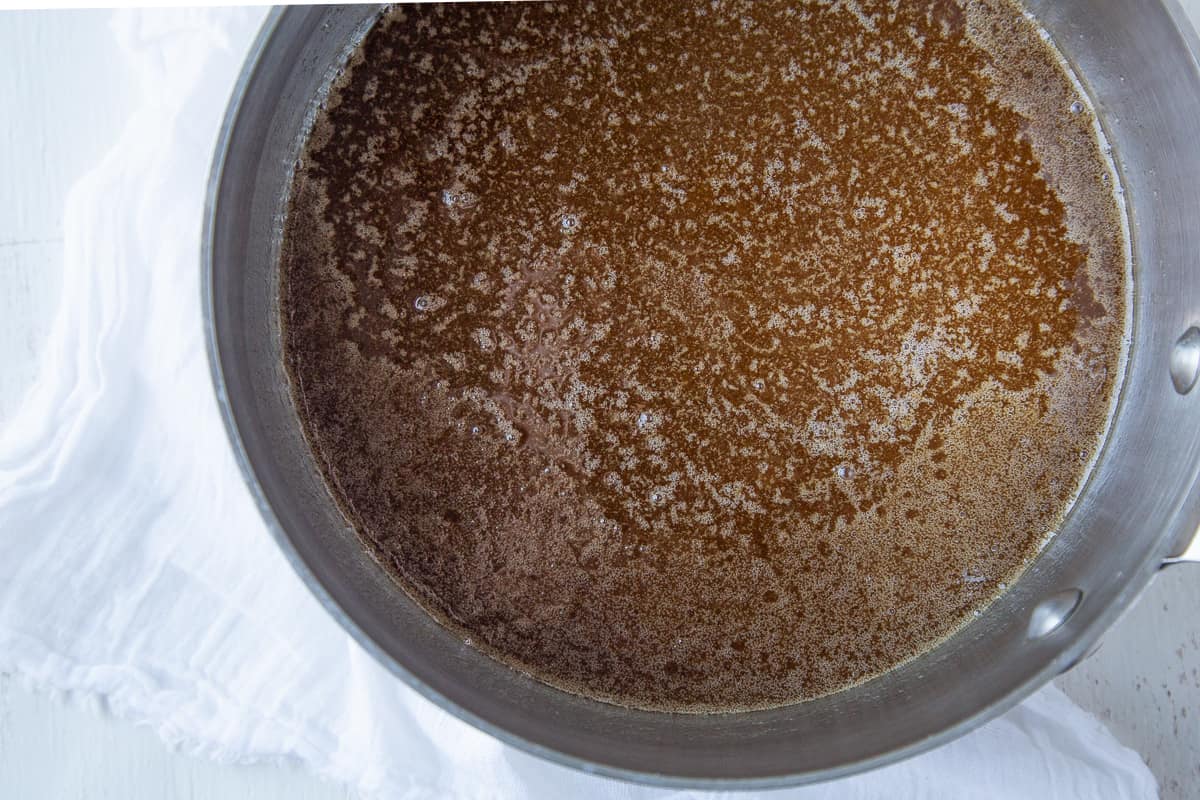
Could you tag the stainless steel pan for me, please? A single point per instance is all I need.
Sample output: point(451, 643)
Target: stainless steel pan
point(1136, 513)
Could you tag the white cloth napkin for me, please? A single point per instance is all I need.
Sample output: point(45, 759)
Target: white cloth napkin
point(134, 567)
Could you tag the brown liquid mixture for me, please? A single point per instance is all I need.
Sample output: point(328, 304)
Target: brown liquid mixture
point(704, 355)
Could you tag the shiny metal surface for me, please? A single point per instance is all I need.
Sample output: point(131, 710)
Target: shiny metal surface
point(1185, 361)
point(1138, 509)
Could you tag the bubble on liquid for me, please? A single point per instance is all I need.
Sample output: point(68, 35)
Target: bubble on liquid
point(643, 419)
point(569, 223)
point(452, 199)
point(759, 384)
point(844, 471)
point(476, 430)
point(423, 303)
point(656, 497)
point(1076, 107)
point(510, 437)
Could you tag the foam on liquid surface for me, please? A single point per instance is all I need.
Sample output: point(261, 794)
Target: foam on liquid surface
point(704, 355)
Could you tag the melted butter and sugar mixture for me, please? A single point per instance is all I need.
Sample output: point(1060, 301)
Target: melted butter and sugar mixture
point(704, 355)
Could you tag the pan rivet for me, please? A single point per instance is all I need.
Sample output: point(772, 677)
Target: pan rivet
point(1185, 361)
point(1051, 613)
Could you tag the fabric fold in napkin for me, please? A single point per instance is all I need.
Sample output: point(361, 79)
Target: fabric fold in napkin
point(134, 567)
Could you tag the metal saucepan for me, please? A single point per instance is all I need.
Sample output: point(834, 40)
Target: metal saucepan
point(1137, 511)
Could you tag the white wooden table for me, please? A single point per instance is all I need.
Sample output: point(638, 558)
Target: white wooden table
point(61, 74)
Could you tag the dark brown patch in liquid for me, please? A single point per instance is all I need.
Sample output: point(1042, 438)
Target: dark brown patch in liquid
point(704, 355)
